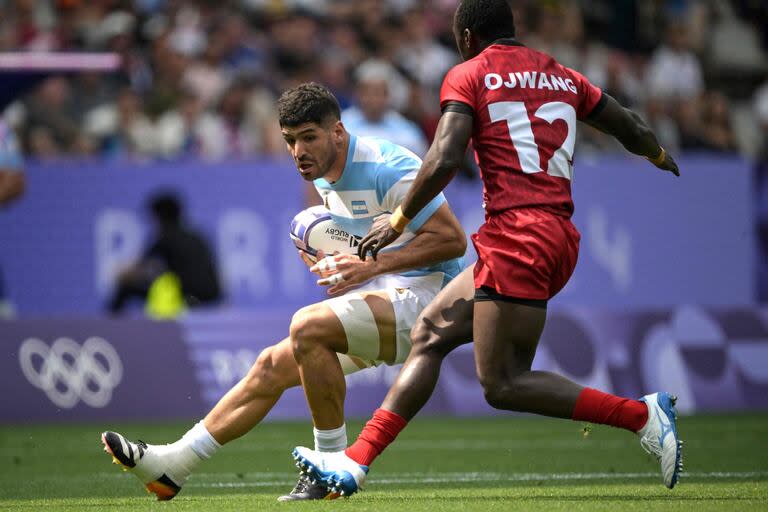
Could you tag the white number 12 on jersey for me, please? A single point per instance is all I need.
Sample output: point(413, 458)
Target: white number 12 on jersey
point(521, 133)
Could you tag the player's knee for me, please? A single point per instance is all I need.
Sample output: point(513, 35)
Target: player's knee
point(509, 394)
point(498, 393)
point(306, 331)
point(425, 340)
point(494, 395)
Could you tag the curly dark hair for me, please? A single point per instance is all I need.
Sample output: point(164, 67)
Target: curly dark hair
point(488, 20)
point(307, 103)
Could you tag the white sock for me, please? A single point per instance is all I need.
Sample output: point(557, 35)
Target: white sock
point(334, 440)
point(200, 441)
point(179, 459)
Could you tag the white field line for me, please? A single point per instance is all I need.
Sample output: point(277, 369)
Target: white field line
point(269, 480)
point(473, 444)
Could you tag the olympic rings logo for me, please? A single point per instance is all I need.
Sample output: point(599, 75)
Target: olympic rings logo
point(68, 372)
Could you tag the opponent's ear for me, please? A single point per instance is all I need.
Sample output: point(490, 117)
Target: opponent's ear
point(467, 38)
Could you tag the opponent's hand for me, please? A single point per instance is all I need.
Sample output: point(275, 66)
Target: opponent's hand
point(342, 272)
point(669, 164)
point(379, 236)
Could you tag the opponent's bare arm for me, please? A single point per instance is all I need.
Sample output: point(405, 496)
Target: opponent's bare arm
point(630, 129)
point(440, 238)
point(443, 159)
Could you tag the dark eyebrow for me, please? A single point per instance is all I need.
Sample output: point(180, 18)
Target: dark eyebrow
point(299, 134)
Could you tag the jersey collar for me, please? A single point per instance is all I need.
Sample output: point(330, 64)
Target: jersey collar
point(507, 41)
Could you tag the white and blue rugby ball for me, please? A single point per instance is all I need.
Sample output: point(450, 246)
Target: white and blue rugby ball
point(314, 230)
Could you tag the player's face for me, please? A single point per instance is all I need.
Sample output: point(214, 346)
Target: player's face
point(314, 148)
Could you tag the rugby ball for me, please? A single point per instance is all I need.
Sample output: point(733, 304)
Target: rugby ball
point(315, 230)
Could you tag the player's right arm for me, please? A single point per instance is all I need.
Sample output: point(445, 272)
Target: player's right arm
point(443, 159)
point(632, 132)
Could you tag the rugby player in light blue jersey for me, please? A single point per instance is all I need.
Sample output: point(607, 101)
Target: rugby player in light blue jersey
point(367, 321)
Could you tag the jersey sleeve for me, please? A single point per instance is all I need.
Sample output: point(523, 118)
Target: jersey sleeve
point(392, 185)
point(590, 96)
point(457, 86)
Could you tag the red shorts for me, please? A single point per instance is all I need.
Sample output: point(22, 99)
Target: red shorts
point(526, 253)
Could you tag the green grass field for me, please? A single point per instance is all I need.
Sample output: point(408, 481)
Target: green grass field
point(437, 464)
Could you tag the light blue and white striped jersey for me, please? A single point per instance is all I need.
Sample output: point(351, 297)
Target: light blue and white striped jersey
point(375, 180)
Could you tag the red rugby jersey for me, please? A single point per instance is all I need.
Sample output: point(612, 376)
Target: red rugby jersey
point(525, 107)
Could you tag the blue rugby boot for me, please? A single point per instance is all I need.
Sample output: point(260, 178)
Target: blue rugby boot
point(337, 472)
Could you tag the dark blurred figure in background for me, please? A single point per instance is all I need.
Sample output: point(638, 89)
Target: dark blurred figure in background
point(51, 128)
point(12, 185)
point(178, 265)
point(717, 130)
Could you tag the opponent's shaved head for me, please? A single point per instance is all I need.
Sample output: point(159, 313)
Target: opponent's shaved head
point(487, 20)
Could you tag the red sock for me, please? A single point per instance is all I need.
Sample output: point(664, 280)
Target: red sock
point(598, 407)
point(377, 434)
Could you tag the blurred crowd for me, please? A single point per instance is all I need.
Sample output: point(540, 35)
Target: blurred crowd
point(200, 78)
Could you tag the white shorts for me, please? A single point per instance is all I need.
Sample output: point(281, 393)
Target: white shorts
point(408, 295)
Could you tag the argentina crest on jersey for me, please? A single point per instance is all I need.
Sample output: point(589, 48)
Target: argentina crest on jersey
point(359, 208)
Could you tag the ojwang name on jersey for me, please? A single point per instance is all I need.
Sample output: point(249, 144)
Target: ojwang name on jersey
point(528, 80)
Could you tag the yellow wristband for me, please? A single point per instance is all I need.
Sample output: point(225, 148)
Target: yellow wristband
point(659, 159)
point(398, 221)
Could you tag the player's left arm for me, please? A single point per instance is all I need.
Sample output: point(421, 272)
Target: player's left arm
point(440, 238)
point(443, 159)
point(598, 109)
point(632, 132)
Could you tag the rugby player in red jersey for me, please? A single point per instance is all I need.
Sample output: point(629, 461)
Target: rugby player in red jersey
point(520, 108)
